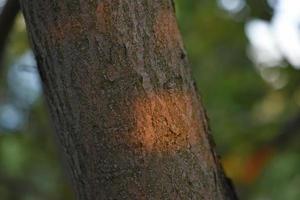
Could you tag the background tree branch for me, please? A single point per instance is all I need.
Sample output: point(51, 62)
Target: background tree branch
point(7, 18)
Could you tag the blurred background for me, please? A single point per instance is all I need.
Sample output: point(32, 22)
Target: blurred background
point(245, 57)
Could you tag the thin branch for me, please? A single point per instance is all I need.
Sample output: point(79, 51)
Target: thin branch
point(7, 18)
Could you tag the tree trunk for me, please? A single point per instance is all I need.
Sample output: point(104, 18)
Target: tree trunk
point(125, 108)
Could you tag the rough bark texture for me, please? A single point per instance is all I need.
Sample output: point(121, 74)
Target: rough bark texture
point(120, 92)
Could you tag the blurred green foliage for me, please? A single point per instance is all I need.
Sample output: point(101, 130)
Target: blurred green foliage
point(245, 112)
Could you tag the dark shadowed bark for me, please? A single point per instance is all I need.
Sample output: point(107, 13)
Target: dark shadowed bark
point(124, 106)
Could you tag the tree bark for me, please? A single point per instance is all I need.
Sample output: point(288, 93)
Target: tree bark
point(124, 105)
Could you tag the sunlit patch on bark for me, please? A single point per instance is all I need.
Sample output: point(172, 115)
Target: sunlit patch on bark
point(69, 28)
point(136, 191)
point(102, 14)
point(62, 30)
point(165, 122)
point(166, 30)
